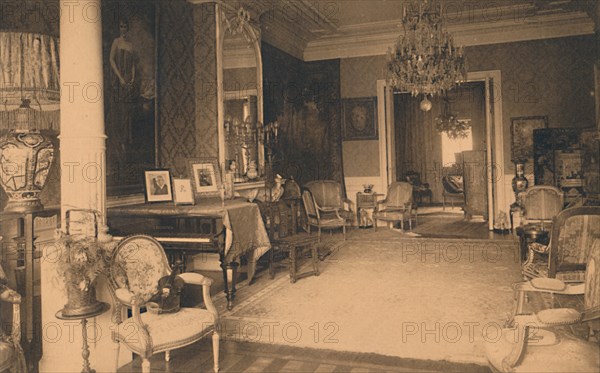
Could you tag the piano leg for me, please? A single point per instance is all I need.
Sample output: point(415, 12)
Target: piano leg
point(230, 278)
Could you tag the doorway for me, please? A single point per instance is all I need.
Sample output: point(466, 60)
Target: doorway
point(486, 136)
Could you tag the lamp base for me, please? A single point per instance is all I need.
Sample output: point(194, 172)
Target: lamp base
point(20, 206)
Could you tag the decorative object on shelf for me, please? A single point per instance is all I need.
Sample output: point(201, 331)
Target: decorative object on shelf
point(359, 118)
point(367, 188)
point(81, 257)
point(207, 177)
point(501, 224)
point(158, 186)
point(425, 60)
point(448, 122)
point(252, 172)
point(270, 134)
point(521, 131)
point(29, 91)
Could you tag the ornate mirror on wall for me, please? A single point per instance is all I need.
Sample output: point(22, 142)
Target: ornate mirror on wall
point(240, 109)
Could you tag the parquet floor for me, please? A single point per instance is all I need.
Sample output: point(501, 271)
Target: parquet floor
point(256, 357)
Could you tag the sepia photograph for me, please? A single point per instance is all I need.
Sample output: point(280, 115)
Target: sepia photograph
point(158, 186)
point(299, 186)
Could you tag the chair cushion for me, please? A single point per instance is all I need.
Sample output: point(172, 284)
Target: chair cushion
point(453, 184)
point(548, 284)
point(167, 331)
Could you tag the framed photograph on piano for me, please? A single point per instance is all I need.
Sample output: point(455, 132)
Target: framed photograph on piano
point(158, 186)
point(206, 174)
point(183, 193)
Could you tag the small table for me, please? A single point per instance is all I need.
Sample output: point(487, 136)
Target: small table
point(85, 351)
point(365, 201)
point(530, 234)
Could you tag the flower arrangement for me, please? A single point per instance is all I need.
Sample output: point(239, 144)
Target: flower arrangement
point(81, 259)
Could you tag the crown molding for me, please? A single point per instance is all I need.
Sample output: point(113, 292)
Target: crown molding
point(377, 37)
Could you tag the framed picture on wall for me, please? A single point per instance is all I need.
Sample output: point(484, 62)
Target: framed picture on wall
point(359, 118)
point(206, 175)
point(522, 136)
point(129, 49)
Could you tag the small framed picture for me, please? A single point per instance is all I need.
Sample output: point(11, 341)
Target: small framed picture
point(183, 194)
point(206, 175)
point(158, 186)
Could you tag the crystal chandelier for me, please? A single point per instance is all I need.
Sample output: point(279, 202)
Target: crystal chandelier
point(425, 60)
point(448, 122)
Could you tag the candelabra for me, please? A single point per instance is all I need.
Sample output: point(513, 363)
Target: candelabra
point(271, 141)
point(243, 136)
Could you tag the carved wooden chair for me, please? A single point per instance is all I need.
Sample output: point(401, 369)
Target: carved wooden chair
point(397, 205)
point(539, 205)
point(573, 231)
point(321, 217)
point(328, 196)
point(540, 342)
point(138, 263)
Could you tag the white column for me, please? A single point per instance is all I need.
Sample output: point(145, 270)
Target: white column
point(83, 184)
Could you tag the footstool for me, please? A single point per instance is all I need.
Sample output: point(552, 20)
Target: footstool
point(292, 245)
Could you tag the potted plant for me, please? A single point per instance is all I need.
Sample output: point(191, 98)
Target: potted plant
point(80, 260)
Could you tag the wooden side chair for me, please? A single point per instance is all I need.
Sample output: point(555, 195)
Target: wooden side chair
point(138, 263)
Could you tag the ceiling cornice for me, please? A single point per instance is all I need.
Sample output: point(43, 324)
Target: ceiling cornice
point(375, 38)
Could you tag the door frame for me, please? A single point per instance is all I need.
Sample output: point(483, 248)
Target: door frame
point(494, 132)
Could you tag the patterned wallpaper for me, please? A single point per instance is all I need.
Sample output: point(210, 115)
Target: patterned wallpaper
point(176, 96)
point(205, 81)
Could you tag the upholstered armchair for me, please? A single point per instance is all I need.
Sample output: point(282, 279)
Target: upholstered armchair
point(397, 205)
point(138, 263)
point(11, 354)
point(453, 190)
point(540, 342)
point(328, 196)
point(421, 190)
point(573, 231)
point(322, 218)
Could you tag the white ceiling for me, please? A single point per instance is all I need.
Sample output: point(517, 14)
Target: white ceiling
point(324, 29)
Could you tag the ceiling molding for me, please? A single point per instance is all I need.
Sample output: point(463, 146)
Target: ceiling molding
point(377, 37)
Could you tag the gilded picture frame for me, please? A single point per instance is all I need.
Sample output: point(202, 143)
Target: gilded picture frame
point(359, 119)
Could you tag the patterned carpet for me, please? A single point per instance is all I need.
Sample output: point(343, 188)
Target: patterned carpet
point(431, 299)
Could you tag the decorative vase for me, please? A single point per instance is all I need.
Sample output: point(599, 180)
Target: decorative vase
point(519, 182)
point(80, 302)
point(252, 172)
point(368, 188)
point(25, 160)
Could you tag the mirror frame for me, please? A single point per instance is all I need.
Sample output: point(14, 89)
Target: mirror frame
point(253, 37)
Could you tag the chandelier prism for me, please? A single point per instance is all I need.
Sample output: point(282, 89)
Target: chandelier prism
point(425, 60)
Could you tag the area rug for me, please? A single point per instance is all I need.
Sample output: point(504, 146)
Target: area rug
point(416, 298)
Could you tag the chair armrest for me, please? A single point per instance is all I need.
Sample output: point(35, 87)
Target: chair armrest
point(198, 279)
point(195, 279)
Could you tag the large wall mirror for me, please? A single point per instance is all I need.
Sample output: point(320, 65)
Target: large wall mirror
point(240, 110)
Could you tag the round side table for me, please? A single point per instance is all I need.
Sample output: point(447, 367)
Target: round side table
point(85, 353)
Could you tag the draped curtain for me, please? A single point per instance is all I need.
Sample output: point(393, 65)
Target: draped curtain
point(418, 143)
